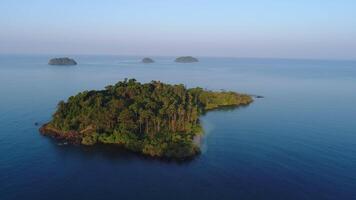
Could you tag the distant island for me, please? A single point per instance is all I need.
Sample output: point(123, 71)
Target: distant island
point(186, 59)
point(62, 61)
point(147, 60)
point(154, 119)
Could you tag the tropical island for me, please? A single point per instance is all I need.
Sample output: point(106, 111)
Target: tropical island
point(147, 60)
point(186, 59)
point(62, 61)
point(155, 119)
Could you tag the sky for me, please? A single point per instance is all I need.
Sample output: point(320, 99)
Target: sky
point(316, 29)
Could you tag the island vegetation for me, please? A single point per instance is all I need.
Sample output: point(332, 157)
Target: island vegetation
point(154, 119)
point(186, 59)
point(147, 60)
point(62, 61)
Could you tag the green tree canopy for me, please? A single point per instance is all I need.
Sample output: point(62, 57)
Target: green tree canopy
point(154, 118)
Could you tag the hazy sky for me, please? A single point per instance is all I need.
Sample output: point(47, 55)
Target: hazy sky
point(231, 28)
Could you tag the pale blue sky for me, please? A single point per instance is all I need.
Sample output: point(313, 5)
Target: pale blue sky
point(229, 28)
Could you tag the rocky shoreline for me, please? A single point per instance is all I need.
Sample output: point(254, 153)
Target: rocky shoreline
point(72, 137)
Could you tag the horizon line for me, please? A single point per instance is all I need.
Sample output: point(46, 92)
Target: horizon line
point(176, 55)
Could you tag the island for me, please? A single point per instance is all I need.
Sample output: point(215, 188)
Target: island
point(147, 60)
point(154, 119)
point(186, 59)
point(62, 61)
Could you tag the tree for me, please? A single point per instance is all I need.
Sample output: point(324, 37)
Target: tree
point(153, 118)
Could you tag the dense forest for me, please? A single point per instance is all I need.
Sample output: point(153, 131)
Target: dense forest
point(154, 118)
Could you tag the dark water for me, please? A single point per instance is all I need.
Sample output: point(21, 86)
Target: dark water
point(297, 143)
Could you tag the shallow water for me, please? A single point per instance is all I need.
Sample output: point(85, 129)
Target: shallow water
point(299, 142)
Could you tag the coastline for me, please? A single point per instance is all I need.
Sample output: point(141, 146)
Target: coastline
point(76, 138)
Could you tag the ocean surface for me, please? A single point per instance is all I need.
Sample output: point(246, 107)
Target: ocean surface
point(299, 142)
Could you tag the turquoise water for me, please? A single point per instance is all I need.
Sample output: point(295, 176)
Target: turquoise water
point(299, 142)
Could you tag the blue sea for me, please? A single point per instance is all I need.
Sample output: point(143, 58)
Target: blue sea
point(299, 142)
